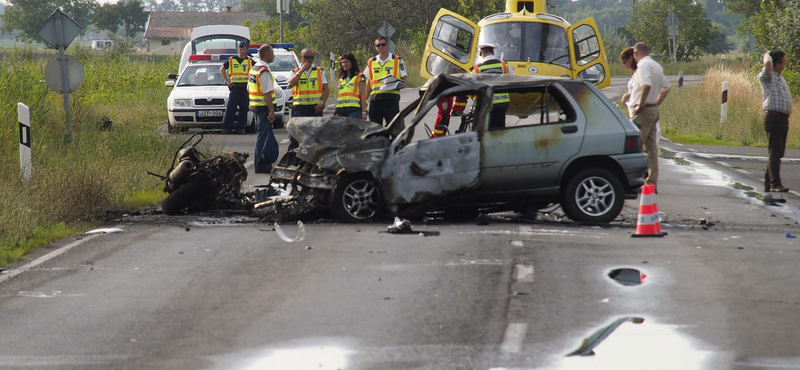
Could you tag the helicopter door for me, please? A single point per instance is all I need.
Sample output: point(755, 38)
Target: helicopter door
point(451, 45)
point(587, 54)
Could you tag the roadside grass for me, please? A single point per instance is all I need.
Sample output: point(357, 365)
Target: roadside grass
point(74, 184)
point(738, 62)
point(693, 116)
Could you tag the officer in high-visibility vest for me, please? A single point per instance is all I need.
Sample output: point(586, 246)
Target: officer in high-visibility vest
point(261, 88)
point(352, 98)
point(384, 104)
point(500, 101)
point(234, 71)
point(309, 86)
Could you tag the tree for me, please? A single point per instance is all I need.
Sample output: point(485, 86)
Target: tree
point(647, 25)
point(132, 17)
point(27, 16)
point(106, 17)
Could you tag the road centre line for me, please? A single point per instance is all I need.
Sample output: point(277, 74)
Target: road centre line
point(46, 257)
point(724, 163)
point(743, 171)
point(513, 338)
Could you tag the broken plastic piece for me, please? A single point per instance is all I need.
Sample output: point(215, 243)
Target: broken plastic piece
point(400, 226)
point(105, 230)
point(790, 236)
point(301, 233)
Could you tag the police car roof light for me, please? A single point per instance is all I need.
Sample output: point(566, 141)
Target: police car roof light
point(287, 46)
point(197, 57)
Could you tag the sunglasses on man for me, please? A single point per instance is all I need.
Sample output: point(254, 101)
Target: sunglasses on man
point(380, 45)
point(308, 57)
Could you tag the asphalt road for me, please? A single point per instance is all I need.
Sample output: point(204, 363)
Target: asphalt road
point(223, 291)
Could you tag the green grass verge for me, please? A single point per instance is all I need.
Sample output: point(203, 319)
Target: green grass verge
point(77, 182)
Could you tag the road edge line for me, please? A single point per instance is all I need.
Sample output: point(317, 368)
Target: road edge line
point(15, 272)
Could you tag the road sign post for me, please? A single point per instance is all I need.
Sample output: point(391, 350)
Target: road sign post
point(58, 31)
point(387, 30)
point(24, 118)
point(672, 24)
point(724, 111)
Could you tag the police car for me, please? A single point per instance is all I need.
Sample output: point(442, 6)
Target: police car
point(199, 95)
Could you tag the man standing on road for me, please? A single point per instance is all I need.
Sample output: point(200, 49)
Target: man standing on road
point(650, 88)
point(260, 87)
point(384, 105)
point(309, 90)
point(777, 107)
point(500, 101)
point(235, 71)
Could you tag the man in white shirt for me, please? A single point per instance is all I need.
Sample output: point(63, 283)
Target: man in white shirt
point(650, 88)
point(384, 105)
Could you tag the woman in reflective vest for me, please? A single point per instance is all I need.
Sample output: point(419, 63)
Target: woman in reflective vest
point(352, 100)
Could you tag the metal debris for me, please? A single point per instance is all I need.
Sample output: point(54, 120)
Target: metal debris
point(400, 226)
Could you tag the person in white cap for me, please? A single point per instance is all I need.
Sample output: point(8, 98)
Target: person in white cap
point(500, 101)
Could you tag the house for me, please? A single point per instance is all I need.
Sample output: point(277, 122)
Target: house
point(168, 32)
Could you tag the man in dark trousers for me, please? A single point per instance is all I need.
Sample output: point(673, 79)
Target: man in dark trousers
point(777, 108)
point(235, 71)
point(384, 104)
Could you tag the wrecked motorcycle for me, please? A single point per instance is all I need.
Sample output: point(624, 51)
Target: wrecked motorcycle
point(198, 184)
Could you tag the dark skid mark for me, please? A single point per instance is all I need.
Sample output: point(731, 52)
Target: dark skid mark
point(627, 276)
point(594, 340)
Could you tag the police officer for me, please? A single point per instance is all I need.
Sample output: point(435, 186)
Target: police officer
point(309, 86)
point(260, 87)
point(235, 71)
point(500, 101)
point(384, 105)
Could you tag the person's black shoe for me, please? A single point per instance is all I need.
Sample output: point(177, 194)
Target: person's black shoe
point(264, 171)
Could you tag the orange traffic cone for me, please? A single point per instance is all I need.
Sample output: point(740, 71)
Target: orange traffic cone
point(649, 223)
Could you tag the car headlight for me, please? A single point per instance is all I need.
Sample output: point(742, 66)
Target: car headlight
point(278, 94)
point(183, 102)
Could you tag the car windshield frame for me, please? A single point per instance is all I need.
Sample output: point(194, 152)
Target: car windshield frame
point(184, 80)
point(228, 44)
point(551, 47)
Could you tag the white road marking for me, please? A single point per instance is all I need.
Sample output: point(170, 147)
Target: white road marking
point(724, 163)
point(515, 335)
point(517, 243)
point(523, 273)
point(46, 257)
point(692, 150)
point(743, 171)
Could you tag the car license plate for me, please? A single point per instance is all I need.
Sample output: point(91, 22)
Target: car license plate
point(210, 113)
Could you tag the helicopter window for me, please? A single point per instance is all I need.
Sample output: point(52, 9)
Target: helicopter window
point(437, 65)
point(528, 42)
point(588, 47)
point(454, 38)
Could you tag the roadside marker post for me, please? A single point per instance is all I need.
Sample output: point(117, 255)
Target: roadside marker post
point(724, 111)
point(680, 81)
point(24, 118)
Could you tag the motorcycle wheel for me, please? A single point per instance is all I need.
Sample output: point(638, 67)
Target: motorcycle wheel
point(181, 199)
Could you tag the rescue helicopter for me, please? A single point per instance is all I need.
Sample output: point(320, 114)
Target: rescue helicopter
point(525, 37)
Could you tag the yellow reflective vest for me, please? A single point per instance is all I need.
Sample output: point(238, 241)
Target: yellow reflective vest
point(378, 71)
point(349, 94)
point(494, 67)
point(254, 89)
point(308, 90)
point(238, 72)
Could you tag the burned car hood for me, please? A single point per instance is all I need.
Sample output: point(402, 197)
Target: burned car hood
point(337, 143)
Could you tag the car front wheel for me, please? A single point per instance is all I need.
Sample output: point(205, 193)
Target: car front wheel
point(356, 198)
point(593, 195)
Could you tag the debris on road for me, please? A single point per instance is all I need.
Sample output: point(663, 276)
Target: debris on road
point(790, 236)
point(483, 219)
point(400, 226)
point(301, 233)
point(106, 230)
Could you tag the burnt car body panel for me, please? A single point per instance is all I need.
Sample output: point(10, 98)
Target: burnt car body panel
point(565, 126)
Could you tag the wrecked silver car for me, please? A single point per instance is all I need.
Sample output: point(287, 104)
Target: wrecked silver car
point(562, 142)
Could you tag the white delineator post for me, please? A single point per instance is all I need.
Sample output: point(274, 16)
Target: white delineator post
point(724, 112)
point(24, 118)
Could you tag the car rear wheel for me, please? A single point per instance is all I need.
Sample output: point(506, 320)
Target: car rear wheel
point(593, 195)
point(356, 198)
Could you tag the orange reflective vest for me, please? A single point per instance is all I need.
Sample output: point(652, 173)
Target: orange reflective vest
point(254, 87)
point(378, 71)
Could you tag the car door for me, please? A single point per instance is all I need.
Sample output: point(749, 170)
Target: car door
point(531, 150)
point(587, 53)
point(451, 45)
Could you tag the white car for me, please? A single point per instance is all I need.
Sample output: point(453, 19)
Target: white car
point(200, 96)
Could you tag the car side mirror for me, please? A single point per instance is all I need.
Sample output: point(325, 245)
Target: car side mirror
point(172, 76)
point(169, 84)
